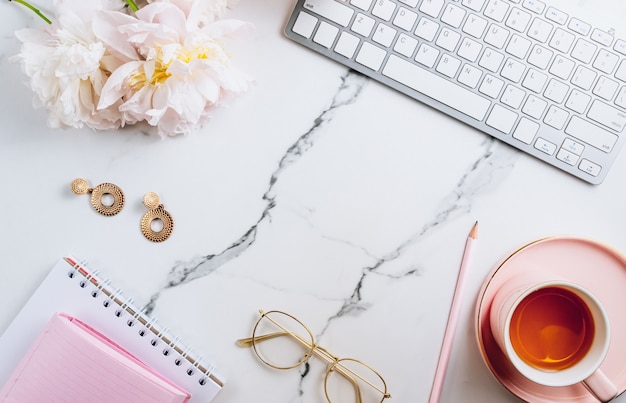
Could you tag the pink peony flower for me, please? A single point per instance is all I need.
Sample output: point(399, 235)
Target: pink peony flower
point(174, 72)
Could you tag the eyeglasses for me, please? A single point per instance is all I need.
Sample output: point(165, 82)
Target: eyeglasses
point(281, 341)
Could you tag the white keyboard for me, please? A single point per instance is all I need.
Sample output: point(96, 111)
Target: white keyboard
point(521, 71)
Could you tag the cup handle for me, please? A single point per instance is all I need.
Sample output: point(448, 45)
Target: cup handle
point(601, 386)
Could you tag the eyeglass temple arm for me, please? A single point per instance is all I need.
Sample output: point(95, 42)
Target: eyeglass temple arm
point(247, 342)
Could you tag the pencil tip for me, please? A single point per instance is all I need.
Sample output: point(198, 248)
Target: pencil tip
point(474, 232)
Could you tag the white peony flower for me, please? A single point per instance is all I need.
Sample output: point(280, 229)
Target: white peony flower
point(68, 66)
point(174, 73)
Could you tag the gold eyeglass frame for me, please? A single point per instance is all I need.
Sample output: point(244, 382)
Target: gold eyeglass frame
point(334, 363)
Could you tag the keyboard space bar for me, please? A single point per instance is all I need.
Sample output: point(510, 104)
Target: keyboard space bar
point(436, 87)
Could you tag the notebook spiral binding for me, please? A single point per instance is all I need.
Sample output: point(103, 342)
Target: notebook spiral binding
point(148, 325)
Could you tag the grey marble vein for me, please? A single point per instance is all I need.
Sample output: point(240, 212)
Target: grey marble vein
point(488, 170)
point(352, 83)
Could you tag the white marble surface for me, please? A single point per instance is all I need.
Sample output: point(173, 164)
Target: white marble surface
point(318, 192)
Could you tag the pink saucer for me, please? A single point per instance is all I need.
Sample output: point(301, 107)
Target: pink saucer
point(595, 266)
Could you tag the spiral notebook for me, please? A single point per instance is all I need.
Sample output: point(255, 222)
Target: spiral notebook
point(79, 294)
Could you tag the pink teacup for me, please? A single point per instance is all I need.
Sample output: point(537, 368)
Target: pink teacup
point(555, 333)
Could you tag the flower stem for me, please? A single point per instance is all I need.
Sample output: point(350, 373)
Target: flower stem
point(132, 5)
point(36, 11)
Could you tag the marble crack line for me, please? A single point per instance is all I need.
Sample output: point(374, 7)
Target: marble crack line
point(489, 169)
point(352, 84)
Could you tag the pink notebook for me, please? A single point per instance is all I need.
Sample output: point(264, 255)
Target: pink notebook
point(70, 361)
point(100, 342)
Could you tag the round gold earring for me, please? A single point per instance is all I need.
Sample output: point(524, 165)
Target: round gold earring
point(100, 192)
point(156, 214)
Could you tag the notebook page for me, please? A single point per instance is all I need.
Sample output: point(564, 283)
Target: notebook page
point(69, 362)
point(60, 293)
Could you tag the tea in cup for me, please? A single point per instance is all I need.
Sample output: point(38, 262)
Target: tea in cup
point(554, 332)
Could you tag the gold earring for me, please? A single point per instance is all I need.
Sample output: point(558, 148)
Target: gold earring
point(103, 190)
point(156, 212)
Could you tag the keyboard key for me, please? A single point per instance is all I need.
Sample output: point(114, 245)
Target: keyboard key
point(526, 130)
point(502, 119)
point(557, 16)
point(556, 117)
point(562, 40)
point(426, 29)
point(607, 116)
point(584, 51)
point(540, 57)
point(567, 157)
point(347, 44)
point(573, 146)
point(578, 101)
point(427, 55)
point(475, 5)
point(513, 70)
point(326, 34)
point(432, 7)
point(606, 88)
point(496, 36)
point(363, 25)
point(534, 107)
point(384, 35)
point(470, 49)
point(453, 15)
point(491, 86)
point(591, 134)
point(334, 11)
point(371, 56)
point(589, 167)
point(606, 61)
point(448, 39)
point(540, 30)
point(584, 78)
point(475, 26)
point(491, 60)
point(410, 3)
point(621, 71)
point(518, 20)
point(513, 96)
point(535, 6)
point(448, 66)
point(545, 146)
point(496, 10)
point(621, 98)
point(603, 38)
point(562, 67)
point(620, 46)
point(580, 27)
point(305, 24)
point(438, 88)
point(518, 46)
point(534, 80)
point(362, 4)
point(470, 76)
point(384, 9)
point(405, 45)
point(405, 19)
point(556, 91)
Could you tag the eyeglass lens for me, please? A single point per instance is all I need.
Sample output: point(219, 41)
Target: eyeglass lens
point(281, 341)
point(352, 381)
